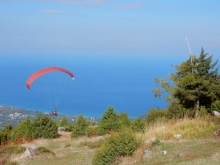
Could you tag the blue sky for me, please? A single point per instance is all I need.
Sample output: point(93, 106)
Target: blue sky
point(109, 27)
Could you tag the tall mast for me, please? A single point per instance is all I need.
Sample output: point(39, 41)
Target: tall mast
point(190, 53)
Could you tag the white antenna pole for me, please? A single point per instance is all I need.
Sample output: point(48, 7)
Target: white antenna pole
point(189, 52)
point(188, 46)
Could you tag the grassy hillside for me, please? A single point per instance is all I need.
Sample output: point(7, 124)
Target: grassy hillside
point(197, 145)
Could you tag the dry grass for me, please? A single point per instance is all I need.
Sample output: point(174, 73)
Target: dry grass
point(196, 146)
point(67, 151)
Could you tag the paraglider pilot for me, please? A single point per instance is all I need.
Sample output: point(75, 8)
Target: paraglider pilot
point(54, 112)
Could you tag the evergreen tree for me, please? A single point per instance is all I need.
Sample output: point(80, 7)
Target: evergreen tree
point(197, 83)
point(5, 134)
point(80, 126)
point(124, 120)
point(43, 127)
point(22, 130)
point(138, 125)
point(109, 121)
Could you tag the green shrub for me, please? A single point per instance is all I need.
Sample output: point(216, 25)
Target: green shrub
point(91, 131)
point(43, 127)
point(64, 123)
point(138, 125)
point(5, 134)
point(215, 106)
point(80, 127)
point(177, 111)
point(202, 111)
point(21, 130)
point(123, 143)
point(44, 150)
point(107, 154)
point(156, 142)
point(126, 143)
point(109, 122)
point(156, 114)
point(92, 145)
point(12, 150)
point(124, 120)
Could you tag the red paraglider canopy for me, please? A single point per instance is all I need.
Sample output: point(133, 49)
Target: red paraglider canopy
point(41, 72)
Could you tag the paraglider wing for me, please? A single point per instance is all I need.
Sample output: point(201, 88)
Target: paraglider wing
point(44, 71)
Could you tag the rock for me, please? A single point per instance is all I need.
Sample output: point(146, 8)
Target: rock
point(180, 155)
point(164, 152)
point(177, 136)
point(30, 152)
point(215, 113)
point(147, 153)
point(61, 129)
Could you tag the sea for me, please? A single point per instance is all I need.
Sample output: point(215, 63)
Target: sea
point(124, 83)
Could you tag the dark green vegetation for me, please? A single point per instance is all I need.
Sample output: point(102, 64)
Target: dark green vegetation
point(193, 93)
point(41, 127)
point(123, 143)
point(195, 87)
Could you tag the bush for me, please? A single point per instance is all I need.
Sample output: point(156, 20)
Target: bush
point(215, 106)
point(138, 125)
point(156, 142)
point(21, 130)
point(5, 134)
point(202, 111)
point(91, 131)
point(80, 127)
point(119, 144)
point(109, 122)
point(124, 120)
point(92, 145)
point(44, 150)
point(11, 150)
point(64, 123)
point(177, 111)
point(43, 127)
point(156, 114)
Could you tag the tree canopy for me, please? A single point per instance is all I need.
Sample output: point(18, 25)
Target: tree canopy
point(196, 83)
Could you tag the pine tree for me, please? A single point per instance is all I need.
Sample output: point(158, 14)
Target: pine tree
point(197, 83)
point(80, 126)
point(109, 121)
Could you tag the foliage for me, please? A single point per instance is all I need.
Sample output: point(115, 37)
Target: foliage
point(43, 127)
point(177, 111)
point(5, 134)
point(80, 127)
point(124, 120)
point(215, 106)
point(155, 114)
point(109, 122)
point(44, 150)
point(198, 82)
point(21, 130)
point(123, 143)
point(92, 145)
point(203, 112)
point(9, 150)
point(156, 142)
point(91, 131)
point(64, 123)
point(138, 125)
point(165, 87)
